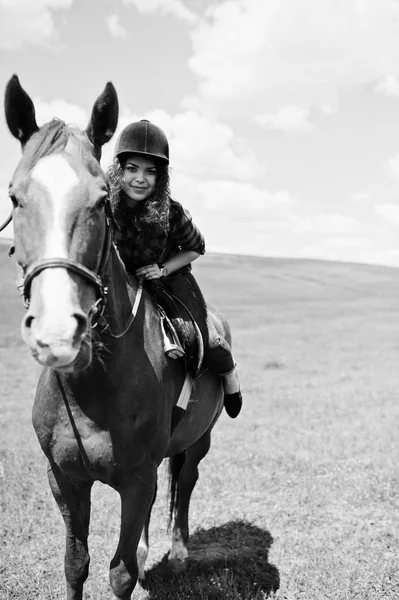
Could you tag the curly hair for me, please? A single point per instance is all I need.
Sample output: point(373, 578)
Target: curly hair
point(155, 209)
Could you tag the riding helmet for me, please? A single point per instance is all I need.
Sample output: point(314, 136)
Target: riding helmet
point(143, 137)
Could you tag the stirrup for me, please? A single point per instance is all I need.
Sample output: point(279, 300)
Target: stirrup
point(173, 351)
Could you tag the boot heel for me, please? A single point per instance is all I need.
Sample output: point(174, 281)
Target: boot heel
point(233, 404)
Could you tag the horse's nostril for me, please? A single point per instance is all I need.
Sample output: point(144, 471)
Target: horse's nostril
point(28, 321)
point(81, 320)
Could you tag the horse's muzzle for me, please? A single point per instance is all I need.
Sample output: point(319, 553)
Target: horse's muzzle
point(57, 345)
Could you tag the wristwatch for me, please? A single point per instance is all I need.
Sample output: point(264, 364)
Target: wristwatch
point(163, 270)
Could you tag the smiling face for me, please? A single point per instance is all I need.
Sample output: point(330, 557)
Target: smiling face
point(139, 177)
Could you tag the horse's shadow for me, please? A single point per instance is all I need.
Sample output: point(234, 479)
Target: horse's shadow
point(230, 561)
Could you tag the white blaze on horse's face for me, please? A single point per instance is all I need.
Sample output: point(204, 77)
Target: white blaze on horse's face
point(58, 180)
point(55, 324)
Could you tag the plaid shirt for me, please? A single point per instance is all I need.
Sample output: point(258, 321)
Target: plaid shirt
point(141, 245)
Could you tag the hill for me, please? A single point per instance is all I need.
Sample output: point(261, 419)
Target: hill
point(311, 461)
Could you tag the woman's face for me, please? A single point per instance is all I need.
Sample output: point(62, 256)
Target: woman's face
point(139, 177)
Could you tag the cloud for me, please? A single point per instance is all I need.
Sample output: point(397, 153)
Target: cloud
point(254, 57)
point(173, 7)
point(115, 27)
point(288, 119)
point(199, 146)
point(344, 248)
point(332, 224)
point(28, 22)
point(389, 212)
point(239, 217)
point(70, 113)
point(389, 86)
point(392, 165)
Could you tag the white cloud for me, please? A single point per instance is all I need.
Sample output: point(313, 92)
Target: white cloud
point(333, 224)
point(70, 113)
point(239, 217)
point(198, 146)
point(389, 86)
point(28, 21)
point(392, 165)
point(253, 57)
point(288, 119)
point(389, 211)
point(173, 7)
point(327, 109)
point(343, 248)
point(362, 198)
point(115, 27)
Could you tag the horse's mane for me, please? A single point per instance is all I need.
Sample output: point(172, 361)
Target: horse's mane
point(51, 138)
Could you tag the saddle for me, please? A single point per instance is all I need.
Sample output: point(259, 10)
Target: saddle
point(182, 336)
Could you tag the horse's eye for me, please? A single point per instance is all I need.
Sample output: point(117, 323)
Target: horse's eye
point(101, 203)
point(13, 200)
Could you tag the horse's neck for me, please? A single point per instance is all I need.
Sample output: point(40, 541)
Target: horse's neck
point(122, 293)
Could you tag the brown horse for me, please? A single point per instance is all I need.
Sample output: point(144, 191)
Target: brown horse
point(104, 400)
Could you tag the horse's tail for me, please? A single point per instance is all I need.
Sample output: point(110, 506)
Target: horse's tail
point(176, 463)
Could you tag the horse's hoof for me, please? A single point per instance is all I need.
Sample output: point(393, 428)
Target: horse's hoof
point(178, 565)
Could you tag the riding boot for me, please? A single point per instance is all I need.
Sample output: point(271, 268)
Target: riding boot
point(232, 393)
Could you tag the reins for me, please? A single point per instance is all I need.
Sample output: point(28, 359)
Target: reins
point(106, 327)
point(78, 438)
point(6, 222)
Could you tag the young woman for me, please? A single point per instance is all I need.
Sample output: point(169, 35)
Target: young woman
point(158, 239)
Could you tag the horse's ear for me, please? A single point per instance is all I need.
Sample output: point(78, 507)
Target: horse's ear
point(19, 111)
point(104, 118)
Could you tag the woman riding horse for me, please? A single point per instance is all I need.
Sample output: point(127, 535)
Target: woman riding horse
point(157, 239)
point(105, 397)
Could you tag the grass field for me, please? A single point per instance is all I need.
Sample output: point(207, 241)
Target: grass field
point(303, 487)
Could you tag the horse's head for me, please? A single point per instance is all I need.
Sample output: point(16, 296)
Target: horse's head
point(59, 193)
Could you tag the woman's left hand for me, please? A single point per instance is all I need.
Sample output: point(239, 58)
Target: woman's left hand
point(149, 272)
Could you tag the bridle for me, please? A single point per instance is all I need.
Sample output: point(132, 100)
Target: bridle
point(95, 279)
point(96, 312)
point(6, 222)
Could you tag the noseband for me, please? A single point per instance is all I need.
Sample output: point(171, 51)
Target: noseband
point(95, 279)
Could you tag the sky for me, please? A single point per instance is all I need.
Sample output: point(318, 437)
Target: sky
point(282, 115)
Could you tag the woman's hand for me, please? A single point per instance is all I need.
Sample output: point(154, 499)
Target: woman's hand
point(149, 272)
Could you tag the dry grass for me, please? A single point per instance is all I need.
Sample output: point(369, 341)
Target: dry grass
point(302, 487)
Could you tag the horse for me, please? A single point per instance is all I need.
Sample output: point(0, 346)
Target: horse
point(106, 393)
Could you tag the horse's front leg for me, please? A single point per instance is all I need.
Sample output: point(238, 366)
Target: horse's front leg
point(73, 500)
point(136, 495)
point(142, 550)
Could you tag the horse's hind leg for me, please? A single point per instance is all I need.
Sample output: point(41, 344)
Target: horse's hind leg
point(184, 483)
point(74, 503)
point(142, 550)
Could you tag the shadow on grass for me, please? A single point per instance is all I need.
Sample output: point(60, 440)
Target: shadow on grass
point(230, 561)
